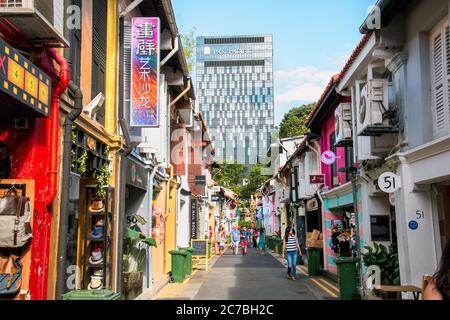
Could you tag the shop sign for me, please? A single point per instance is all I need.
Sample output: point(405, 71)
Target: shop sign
point(389, 182)
point(194, 214)
point(312, 205)
point(200, 180)
point(136, 175)
point(21, 79)
point(317, 179)
point(215, 197)
point(328, 157)
point(145, 71)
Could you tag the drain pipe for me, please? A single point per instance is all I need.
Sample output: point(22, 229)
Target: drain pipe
point(171, 53)
point(76, 94)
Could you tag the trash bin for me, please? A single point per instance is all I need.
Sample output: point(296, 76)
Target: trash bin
point(314, 261)
point(178, 265)
point(189, 252)
point(91, 295)
point(209, 249)
point(347, 277)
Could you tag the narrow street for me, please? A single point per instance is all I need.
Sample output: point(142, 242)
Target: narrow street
point(250, 277)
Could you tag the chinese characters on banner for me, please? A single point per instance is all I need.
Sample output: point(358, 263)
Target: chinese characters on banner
point(145, 72)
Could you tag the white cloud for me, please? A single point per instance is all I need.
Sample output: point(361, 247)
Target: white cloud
point(302, 84)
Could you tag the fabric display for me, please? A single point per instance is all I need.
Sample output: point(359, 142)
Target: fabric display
point(15, 217)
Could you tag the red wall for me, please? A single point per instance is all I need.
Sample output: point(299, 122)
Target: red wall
point(328, 128)
point(29, 160)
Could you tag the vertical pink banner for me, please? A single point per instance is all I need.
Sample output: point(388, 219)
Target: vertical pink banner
point(145, 56)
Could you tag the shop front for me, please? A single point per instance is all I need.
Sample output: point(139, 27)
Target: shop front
point(29, 106)
point(91, 237)
point(338, 223)
point(136, 243)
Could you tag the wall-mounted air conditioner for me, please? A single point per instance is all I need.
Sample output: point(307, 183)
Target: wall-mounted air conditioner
point(371, 108)
point(41, 21)
point(343, 124)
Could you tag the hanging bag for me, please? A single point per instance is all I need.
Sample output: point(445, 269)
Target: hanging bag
point(10, 275)
point(15, 215)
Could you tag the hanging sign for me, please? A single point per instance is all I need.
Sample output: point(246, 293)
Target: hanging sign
point(389, 182)
point(328, 157)
point(21, 79)
point(145, 55)
point(194, 216)
point(413, 225)
point(317, 179)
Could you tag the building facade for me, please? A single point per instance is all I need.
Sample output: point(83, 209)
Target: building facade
point(235, 94)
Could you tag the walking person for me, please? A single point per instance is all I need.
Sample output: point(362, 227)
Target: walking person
point(235, 239)
point(439, 287)
point(291, 250)
point(255, 238)
point(261, 241)
point(222, 240)
point(244, 240)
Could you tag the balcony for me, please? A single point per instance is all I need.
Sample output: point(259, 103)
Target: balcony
point(40, 21)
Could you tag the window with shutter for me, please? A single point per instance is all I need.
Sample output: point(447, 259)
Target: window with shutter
point(440, 67)
point(99, 27)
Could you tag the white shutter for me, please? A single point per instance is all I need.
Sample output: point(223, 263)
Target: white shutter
point(440, 66)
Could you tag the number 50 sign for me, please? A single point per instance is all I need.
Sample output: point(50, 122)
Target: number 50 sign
point(389, 182)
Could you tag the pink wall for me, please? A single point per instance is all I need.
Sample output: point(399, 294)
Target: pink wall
point(328, 129)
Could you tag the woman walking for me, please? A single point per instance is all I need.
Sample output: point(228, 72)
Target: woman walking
point(261, 241)
point(439, 287)
point(291, 249)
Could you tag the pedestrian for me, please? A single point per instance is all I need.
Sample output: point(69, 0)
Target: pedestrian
point(261, 241)
point(235, 239)
point(439, 287)
point(222, 240)
point(255, 239)
point(244, 240)
point(291, 250)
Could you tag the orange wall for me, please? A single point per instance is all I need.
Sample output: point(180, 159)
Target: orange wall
point(158, 252)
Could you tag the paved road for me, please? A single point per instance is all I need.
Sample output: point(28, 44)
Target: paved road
point(256, 277)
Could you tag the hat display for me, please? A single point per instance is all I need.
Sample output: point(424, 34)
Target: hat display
point(97, 205)
point(96, 283)
point(97, 232)
point(98, 273)
point(96, 258)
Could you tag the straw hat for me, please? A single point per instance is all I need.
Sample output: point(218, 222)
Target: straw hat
point(97, 205)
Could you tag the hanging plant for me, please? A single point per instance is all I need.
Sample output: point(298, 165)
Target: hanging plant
point(82, 163)
point(73, 160)
point(101, 181)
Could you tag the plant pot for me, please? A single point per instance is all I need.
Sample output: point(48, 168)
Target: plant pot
point(132, 284)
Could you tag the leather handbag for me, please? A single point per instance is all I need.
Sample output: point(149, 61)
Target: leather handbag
point(15, 215)
point(10, 275)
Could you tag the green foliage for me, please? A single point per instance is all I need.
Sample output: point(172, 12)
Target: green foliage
point(243, 223)
point(386, 259)
point(255, 180)
point(189, 45)
point(293, 123)
point(231, 175)
point(101, 181)
point(82, 168)
point(136, 242)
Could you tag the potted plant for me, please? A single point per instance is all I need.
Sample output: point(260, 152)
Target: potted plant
point(136, 245)
point(386, 259)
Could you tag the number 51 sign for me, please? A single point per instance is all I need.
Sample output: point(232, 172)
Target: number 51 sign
point(389, 182)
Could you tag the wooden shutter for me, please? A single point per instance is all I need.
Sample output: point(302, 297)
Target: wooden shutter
point(440, 68)
point(99, 27)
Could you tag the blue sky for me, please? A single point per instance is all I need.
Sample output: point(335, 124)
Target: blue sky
point(312, 39)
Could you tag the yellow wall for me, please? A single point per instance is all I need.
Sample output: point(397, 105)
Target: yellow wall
point(158, 252)
point(170, 239)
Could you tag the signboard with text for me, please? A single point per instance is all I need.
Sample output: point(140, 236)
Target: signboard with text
point(21, 79)
point(145, 57)
point(194, 215)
